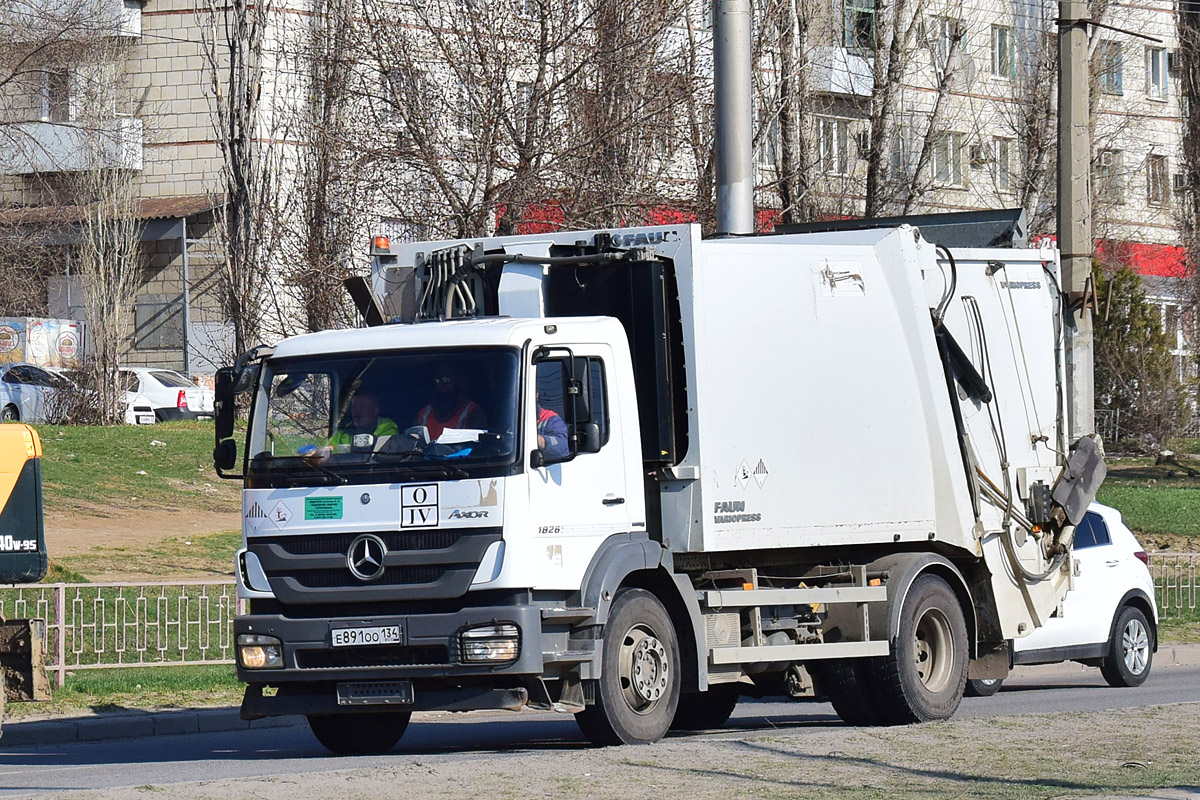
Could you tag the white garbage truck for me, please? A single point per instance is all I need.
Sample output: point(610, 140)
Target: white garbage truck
point(635, 475)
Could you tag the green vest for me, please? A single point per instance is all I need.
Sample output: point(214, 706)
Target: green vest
point(383, 427)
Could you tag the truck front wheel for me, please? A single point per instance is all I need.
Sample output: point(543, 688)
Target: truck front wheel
point(359, 734)
point(923, 678)
point(638, 689)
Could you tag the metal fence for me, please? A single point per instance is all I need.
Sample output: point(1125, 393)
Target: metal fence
point(104, 625)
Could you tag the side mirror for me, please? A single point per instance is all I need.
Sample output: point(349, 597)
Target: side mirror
point(589, 437)
point(225, 455)
point(537, 459)
point(224, 407)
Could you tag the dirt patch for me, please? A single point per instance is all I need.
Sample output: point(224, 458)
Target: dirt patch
point(108, 548)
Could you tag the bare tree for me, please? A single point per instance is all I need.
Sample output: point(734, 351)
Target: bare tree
point(233, 42)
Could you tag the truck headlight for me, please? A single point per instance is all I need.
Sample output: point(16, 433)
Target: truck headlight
point(490, 643)
point(259, 652)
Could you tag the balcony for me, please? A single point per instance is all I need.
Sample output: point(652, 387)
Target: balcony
point(120, 19)
point(43, 147)
point(837, 70)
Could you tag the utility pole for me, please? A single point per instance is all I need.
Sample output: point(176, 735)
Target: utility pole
point(734, 121)
point(1075, 211)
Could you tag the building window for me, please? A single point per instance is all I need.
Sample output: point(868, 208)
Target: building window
point(1004, 52)
point(1108, 177)
point(858, 24)
point(1157, 181)
point(1111, 68)
point(524, 106)
point(158, 322)
point(834, 135)
point(946, 31)
point(1002, 164)
point(948, 159)
point(57, 103)
point(1156, 73)
point(768, 139)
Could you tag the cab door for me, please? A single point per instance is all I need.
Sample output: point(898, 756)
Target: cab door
point(579, 497)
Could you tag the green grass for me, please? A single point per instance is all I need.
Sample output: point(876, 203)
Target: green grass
point(202, 557)
point(1156, 509)
point(139, 687)
point(93, 467)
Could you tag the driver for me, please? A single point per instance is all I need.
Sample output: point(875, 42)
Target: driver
point(364, 418)
point(450, 407)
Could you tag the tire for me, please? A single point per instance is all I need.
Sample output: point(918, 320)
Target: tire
point(983, 687)
point(924, 676)
point(359, 734)
point(848, 686)
point(705, 710)
point(638, 690)
point(1130, 650)
point(10, 413)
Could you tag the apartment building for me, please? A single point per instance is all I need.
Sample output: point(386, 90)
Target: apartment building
point(970, 126)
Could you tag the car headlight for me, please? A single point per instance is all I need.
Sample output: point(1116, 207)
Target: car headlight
point(259, 652)
point(490, 643)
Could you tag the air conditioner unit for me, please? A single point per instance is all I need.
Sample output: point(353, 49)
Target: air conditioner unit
point(980, 156)
point(1179, 182)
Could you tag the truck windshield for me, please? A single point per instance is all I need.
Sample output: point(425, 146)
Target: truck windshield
point(385, 417)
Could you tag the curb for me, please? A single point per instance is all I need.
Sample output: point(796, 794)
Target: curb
point(135, 725)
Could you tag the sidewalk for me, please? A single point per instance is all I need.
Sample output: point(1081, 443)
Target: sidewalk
point(136, 724)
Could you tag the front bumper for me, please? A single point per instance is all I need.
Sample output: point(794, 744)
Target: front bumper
point(429, 655)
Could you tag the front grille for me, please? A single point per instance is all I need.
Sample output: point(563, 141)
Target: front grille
point(435, 564)
point(325, 543)
point(392, 576)
point(372, 657)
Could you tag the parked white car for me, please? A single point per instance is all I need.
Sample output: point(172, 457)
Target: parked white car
point(138, 410)
point(1109, 619)
point(171, 395)
point(27, 392)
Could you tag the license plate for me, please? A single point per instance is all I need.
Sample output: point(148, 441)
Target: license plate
point(145, 419)
point(384, 634)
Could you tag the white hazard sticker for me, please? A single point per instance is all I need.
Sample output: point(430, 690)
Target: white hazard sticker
point(255, 516)
point(760, 473)
point(280, 515)
point(742, 475)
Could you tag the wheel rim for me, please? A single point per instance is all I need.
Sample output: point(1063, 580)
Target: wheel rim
point(645, 669)
point(934, 651)
point(1135, 646)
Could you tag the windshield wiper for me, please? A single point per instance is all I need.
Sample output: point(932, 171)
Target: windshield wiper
point(341, 479)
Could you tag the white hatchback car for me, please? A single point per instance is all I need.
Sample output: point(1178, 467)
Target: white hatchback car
point(171, 395)
point(1109, 619)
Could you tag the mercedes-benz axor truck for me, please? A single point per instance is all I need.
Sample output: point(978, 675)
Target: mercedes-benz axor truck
point(636, 475)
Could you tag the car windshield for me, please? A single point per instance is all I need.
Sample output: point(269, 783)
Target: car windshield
point(393, 416)
point(172, 379)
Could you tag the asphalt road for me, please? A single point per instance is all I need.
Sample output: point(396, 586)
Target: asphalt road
point(293, 751)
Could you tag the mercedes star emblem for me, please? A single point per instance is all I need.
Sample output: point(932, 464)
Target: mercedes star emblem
point(365, 557)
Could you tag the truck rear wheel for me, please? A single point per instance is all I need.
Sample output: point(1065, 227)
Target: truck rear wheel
point(923, 678)
point(705, 710)
point(638, 689)
point(359, 734)
point(848, 686)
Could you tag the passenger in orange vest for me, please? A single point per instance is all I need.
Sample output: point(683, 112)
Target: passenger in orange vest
point(450, 408)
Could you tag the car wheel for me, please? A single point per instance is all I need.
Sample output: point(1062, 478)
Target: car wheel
point(1130, 651)
point(922, 679)
point(983, 687)
point(359, 734)
point(638, 690)
point(10, 414)
point(705, 710)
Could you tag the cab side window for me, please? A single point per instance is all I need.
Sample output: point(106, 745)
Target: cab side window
point(557, 408)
